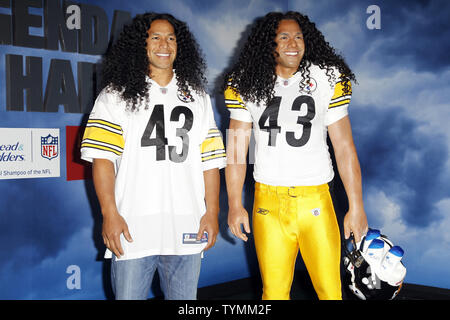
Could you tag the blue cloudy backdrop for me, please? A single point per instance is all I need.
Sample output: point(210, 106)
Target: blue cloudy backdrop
point(399, 114)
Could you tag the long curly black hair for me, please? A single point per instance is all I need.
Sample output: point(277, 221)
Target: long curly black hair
point(253, 76)
point(126, 65)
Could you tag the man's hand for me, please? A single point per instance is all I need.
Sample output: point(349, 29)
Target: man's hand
point(113, 223)
point(356, 222)
point(236, 218)
point(209, 223)
point(113, 226)
point(238, 140)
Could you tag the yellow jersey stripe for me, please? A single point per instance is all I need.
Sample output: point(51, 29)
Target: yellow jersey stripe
point(233, 99)
point(105, 123)
point(340, 98)
point(231, 106)
point(215, 156)
point(339, 103)
point(105, 136)
point(339, 90)
point(101, 143)
point(212, 144)
point(346, 97)
point(99, 147)
point(213, 133)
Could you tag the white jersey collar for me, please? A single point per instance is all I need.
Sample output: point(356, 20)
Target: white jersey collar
point(282, 82)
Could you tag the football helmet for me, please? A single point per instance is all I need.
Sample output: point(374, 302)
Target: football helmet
point(374, 270)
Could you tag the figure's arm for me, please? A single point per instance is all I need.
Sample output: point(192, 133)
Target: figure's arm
point(209, 221)
point(349, 169)
point(113, 223)
point(237, 148)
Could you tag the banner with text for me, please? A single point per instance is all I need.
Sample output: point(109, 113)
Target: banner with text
point(29, 153)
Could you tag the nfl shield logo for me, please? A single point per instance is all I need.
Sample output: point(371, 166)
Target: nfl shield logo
point(49, 147)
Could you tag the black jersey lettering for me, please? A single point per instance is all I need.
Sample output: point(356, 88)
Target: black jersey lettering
point(271, 113)
point(156, 122)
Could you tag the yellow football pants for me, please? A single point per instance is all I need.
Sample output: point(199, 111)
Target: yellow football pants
point(286, 219)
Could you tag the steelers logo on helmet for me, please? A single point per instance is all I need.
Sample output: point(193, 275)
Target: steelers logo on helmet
point(184, 96)
point(374, 270)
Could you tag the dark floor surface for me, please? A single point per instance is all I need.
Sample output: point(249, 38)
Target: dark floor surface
point(302, 289)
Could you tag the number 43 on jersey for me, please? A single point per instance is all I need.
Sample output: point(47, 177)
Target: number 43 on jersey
point(270, 115)
point(156, 123)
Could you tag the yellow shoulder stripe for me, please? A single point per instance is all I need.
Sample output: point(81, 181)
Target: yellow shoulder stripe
point(212, 144)
point(233, 99)
point(339, 103)
point(339, 90)
point(105, 123)
point(215, 156)
point(99, 147)
point(105, 136)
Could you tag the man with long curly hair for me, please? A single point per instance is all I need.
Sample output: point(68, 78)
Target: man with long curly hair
point(156, 154)
point(293, 88)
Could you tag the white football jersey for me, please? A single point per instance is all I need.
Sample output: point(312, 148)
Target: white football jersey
point(160, 153)
point(291, 131)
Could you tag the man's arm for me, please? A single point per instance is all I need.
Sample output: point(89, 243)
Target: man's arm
point(237, 148)
point(113, 223)
point(210, 222)
point(349, 169)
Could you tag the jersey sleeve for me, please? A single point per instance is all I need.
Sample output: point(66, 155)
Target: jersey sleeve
point(236, 106)
point(103, 136)
point(338, 107)
point(212, 147)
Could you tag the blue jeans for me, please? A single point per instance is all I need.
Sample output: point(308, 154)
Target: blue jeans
point(132, 279)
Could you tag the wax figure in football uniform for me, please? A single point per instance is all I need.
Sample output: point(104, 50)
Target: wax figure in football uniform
point(293, 89)
point(156, 155)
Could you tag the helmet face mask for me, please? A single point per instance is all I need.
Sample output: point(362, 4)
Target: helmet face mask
point(371, 278)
